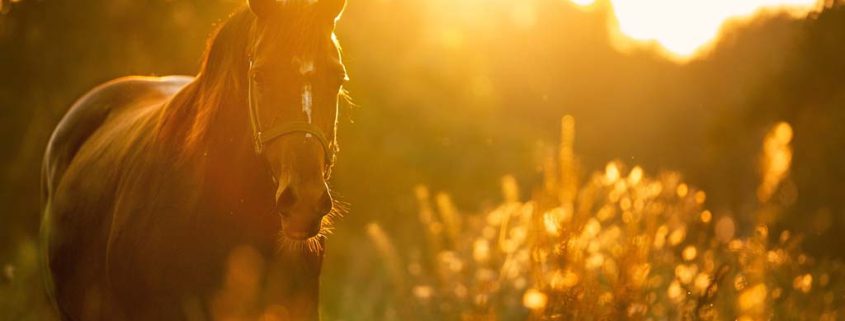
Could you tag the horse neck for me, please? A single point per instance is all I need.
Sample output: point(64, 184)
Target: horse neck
point(231, 167)
point(230, 138)
point(229, 134)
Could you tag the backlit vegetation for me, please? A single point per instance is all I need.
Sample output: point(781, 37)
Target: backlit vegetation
point(619, 245)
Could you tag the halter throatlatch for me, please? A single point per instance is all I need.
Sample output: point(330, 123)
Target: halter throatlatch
point(261, 136)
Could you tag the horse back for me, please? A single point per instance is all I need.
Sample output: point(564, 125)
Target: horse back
point(89, 113)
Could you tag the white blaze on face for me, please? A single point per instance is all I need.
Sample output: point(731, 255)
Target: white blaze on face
point(306, 67)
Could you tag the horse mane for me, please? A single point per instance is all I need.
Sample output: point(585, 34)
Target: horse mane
point(186, 119)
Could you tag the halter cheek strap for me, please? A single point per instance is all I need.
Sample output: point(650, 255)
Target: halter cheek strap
point(262, 137)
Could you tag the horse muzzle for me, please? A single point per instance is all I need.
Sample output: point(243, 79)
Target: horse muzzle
point(300, 229)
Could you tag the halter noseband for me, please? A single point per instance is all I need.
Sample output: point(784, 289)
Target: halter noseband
point(261, 136)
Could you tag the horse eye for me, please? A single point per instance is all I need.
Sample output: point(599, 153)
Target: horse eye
point(342, 80)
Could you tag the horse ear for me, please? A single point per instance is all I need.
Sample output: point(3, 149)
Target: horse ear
point(261, 8)
point(332, 8)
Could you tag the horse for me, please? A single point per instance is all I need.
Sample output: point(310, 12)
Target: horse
point(206, 197)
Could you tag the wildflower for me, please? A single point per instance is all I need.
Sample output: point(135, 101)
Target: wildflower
point(594, 261)
point(675, 291)
point(689, 253)
point(660, 236)
point(635, 175)
point(534, 299)
point(591, 229)
point(804, 283)
point(682, 190)
point(678, 235)
point(702, 281)
point(639, 273)
point(423, 292)
point(481, 250)
point(700, 197)
point(753, 297)
point(725, 229)
point(611, 173)
point(685, 273)
point(562, 280)
point(706, 216)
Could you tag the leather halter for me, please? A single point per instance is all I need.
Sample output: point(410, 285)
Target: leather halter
point(263, 136)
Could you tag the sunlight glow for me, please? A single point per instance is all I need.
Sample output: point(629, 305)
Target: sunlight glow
point(584, 3)
point(683, 28)
point(679, 30)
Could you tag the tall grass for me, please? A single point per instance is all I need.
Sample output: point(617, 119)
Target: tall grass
point(617, 244)
point(621, 245)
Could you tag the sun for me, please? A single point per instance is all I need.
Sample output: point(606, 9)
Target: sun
point(681, 29)
point(584, 3)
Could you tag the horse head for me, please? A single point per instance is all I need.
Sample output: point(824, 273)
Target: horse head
point(295, 80)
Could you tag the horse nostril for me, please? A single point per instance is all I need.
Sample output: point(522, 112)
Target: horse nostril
point(326, 204)
point(286, 200)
